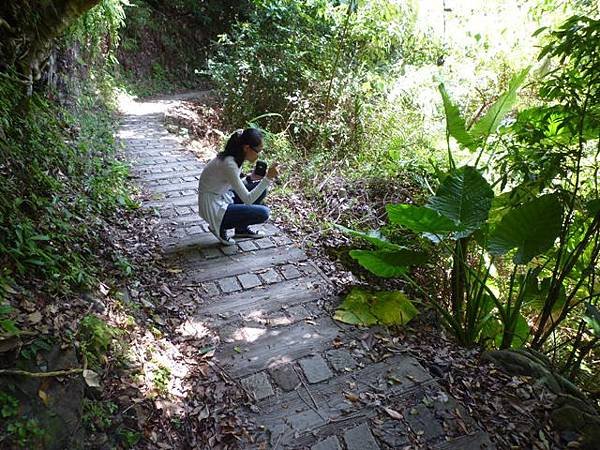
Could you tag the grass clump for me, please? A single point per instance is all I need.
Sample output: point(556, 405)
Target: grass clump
point(95, 338)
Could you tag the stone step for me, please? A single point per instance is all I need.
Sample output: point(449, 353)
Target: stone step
point(173, 187)
point(145, 161)
point(145, 152)
point(194, 237)
point(153, 170)
point(184, 200)
point(185, 220)
point(169, 213)
point(270, 347)
point(199, 269)
point(315, 412)
point(180, 175)
point(260, 302)
point(188, 163)
point(149, 184)
point(153, 145)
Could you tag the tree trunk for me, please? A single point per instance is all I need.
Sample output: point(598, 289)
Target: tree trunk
point(27, 30)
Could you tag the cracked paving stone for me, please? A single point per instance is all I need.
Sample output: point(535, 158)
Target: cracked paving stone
point(270, 276)
point(393, 433)
point(341, 360)
point(264, 243)
point(229, 285)
point(249, 280)
point(211, 289)
point(286, 377)
point(229, 250)
point(421, 419)
point(331, 443)
point(196, 229)
point(314, 309)
point(408, 372)
point(315, 369)
point(296, 313)
point(360, 438)
point(290, 272)
point(305, 420)
point(247, 246)
point(259, 385)
point(282, 240)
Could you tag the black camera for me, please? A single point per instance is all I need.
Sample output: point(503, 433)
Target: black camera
point(260, 168)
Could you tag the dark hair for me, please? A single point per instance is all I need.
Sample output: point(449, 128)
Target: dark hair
point(236, 142)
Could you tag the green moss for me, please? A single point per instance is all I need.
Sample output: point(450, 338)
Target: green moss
point(96, 337)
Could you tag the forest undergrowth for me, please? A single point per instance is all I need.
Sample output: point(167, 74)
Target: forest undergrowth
point(406, 134)
point(512, 409)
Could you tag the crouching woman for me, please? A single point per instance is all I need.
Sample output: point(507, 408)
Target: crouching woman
point(224, 200)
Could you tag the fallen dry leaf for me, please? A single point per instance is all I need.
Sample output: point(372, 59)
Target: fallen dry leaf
point(91, 378)
point(393, 414)
point(34, 318)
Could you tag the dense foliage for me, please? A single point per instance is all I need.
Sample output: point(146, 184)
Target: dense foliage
point(504, 161)
point(540, 206)
point(61, 182)
point(165, 44)
point(316, 68)
point(50, 192)
point(53, 196)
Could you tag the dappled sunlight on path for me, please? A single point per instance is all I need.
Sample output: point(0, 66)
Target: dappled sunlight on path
point(132, 106)
point(309, 382)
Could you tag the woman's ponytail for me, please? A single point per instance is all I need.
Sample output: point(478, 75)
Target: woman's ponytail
point(235, 144)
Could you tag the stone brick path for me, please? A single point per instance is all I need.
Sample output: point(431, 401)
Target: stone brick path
point(315, 387)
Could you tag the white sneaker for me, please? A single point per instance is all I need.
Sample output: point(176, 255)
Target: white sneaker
point(224, 241)
point(250, 234)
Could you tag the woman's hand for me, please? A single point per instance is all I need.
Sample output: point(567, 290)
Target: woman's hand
point(273, 171)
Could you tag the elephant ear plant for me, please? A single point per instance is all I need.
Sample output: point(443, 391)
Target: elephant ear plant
point(456, 219)
point(522, 250)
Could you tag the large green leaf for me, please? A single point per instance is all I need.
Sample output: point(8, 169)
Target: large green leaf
point(388, 263)
point(593, 207)
point(356, 309)
point(374, 237)
point(492, 118)
point(420, 219)
point(531, 229)
point(455, 123)
point(465, 197)
point(592, 318)
point(536, 292)
point(520, 334)
point(362, 307)
point(491, 333)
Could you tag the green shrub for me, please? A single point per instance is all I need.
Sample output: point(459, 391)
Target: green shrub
point(58, 171)
point(522, 251)
point(316, 64)
point(18, 431)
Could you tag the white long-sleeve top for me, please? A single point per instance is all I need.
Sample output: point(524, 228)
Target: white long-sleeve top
point(217, 180)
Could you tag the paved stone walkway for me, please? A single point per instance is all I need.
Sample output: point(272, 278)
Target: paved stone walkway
point(315, 385)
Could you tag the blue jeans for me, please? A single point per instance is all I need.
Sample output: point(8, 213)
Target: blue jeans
point(239, 216)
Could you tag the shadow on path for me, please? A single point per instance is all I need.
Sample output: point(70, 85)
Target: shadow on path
point(314, 381)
